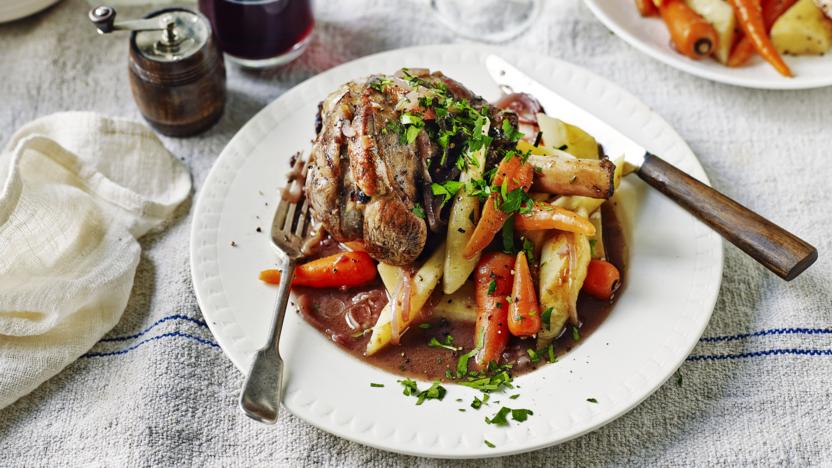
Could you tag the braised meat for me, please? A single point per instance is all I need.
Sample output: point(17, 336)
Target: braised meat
point(376, 156)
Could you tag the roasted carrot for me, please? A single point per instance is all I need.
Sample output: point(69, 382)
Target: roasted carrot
point(689, 32)
point(750, 17)
point(646, 8)
point(546, 216)
point(602, 279)
point(772, 9)
point(517, 174)
point(493, 283)
point(343, 269)
point(524, 311)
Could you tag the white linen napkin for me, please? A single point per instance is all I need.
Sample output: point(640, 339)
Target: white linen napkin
point(78, 189)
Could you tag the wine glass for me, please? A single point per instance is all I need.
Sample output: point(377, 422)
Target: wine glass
point(487, 20)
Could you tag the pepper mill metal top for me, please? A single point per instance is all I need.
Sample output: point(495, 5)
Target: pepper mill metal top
point(172, 36)
point(176, 71)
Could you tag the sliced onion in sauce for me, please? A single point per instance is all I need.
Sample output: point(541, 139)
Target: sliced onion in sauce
point(401, 307)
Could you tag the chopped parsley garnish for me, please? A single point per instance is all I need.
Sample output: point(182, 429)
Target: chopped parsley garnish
point(576, 334)
point(510, 132)
point(418, 210)
point(551, 352)
point(516, 200)
point(528, 249)
point(447, 343)
point(520, 414)
point(424, 326)
point(376, 385)
point(497, 380)
point(501, 418)
point(547, 317)
point(410, 387)
point(492, 286)
point(446, 189)
point(477, 403)
point(535, 358)
point(487, 443)
point(462, 362)
point(514, 397)
point(380, 83)
point(435, 392)
point(592, 400)
point(508, 235)
point(413, 124)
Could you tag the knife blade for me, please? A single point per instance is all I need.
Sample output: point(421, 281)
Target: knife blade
point(780, 251)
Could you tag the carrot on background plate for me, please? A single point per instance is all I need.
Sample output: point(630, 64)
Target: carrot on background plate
point(690, 33)
point(348, 269)
point(750, 18)
point(647, 8)
point(493, 284)
point(772, 9)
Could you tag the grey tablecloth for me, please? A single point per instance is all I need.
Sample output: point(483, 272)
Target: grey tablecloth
point(158, 391)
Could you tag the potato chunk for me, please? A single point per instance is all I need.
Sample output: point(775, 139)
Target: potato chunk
point(802, 30)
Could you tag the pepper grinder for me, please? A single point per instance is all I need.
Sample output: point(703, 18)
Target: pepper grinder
point(177, 74)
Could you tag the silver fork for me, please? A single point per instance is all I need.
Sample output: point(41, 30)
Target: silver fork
point(260, 398)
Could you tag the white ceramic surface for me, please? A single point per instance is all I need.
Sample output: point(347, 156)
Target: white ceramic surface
point(672, 281)
point(11, 10)
point(649, 35)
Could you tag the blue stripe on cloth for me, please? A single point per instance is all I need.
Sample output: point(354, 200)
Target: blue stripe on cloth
point(155, 324)
point(769, 332)
point(753, 354)
point(149, 340)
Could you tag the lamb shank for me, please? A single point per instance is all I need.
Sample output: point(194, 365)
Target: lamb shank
point(375, 157)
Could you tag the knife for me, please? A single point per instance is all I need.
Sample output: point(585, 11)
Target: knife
point(775, 248)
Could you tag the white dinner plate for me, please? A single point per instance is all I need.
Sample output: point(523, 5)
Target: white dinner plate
point(649, 35)
point(671, 284)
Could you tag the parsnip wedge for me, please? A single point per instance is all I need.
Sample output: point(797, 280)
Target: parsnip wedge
point(465, 212)
point(558, 134)
point(424, 282)
point(563, 265)
point(459, 306)
point(588, 204)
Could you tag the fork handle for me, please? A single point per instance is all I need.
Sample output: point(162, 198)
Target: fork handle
point(260, 397)
point(775, 248)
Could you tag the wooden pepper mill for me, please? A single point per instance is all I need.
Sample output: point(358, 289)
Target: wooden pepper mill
point(177, 73)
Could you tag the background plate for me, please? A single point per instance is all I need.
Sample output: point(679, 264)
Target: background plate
point(649, 35)
point(672, 283)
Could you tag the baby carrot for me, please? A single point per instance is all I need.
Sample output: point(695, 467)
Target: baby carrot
point(646, 8)
point(772, 9)
point(689, 32)
point(493, 283)
point(750, 17)
point(342, 269)
point(602, 279)
point(524, 311)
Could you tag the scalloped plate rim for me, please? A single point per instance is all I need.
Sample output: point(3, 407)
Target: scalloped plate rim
point(256, 128)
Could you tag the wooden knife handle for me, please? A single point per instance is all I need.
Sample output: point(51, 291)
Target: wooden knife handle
point(775, 248)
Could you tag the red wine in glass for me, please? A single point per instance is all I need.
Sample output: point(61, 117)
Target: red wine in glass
point(260, 33)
